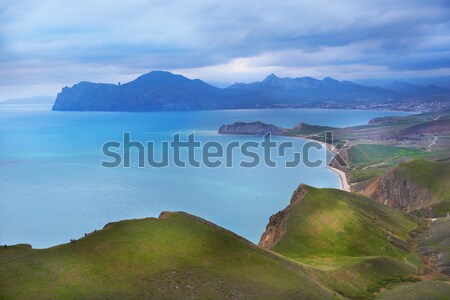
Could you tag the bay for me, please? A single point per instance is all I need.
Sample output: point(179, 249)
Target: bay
point(53, 188)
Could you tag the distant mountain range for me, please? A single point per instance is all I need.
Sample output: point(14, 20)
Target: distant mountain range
point(159, 90)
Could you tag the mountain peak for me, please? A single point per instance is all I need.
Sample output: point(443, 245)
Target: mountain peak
point(330, 80)
point(157, 74)
point(272, 77)
point(162, 78)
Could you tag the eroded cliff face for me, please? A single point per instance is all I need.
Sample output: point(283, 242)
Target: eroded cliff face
point(274, 230)
point(277, 222)
point(398, 190)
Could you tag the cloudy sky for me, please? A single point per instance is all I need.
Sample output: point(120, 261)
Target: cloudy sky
point(48, 44)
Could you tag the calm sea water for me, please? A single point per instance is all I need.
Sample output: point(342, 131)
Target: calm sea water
point(53, 189)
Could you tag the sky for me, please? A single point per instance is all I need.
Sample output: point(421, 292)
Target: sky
point(46, 45)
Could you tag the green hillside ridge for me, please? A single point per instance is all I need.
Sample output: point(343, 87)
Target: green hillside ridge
point(329, 222)
point(361, 280)
point(369, 154)
point(305, 129)
point(435, 243)
point(335, 245)
point(427, 290)
point(354, 242)
point(175, 257)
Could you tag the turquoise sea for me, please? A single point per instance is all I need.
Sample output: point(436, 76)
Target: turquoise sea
point(53, 189)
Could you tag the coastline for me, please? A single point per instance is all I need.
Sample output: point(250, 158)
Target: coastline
point(345, 186)
point(344, 183)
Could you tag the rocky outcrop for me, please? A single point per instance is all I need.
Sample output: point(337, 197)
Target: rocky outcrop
point(277, 222)
point(254, 128)
point(298, 194)
point(397, 189)
point(274, 230)
point(419, 187)
point(400, 191)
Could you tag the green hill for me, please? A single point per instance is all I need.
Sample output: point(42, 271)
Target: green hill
point(329, 222)
point(177, 256)
point(329, 244)
point(427, 290)
point(435, 243)
point(362, 155)
point(354, 241)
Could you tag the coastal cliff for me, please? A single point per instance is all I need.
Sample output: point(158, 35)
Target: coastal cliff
point(276, 227)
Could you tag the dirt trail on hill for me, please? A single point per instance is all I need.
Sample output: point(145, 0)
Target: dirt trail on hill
point(432, 143)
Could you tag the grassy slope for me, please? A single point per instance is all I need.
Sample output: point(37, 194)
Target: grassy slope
point(360, 175)
point(342, 235)
point(305, 129)
point(177, 257)
point(346, 236)
point(426, 290)
point(387, 142)
point(329, 222)
point(435, 242)
point(369, 154)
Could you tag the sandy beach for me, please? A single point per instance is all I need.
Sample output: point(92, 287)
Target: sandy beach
point(344, 183)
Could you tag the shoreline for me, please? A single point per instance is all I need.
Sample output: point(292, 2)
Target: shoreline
point(344, 183)
point(345, 186)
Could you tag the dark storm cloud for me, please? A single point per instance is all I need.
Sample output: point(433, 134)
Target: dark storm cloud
point(47, 44)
